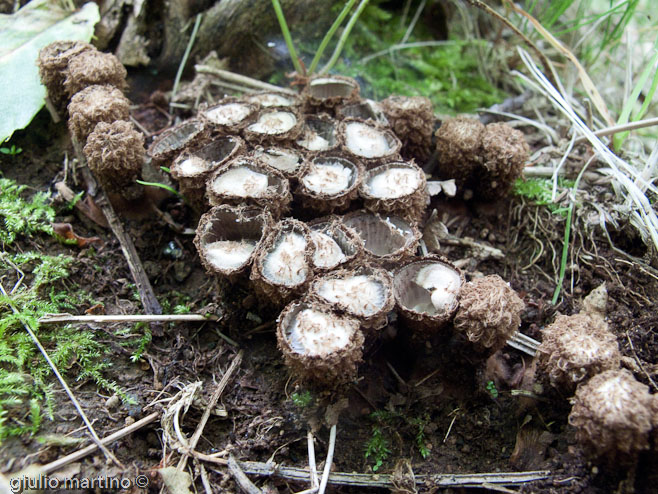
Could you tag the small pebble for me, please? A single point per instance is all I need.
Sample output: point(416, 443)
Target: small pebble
point(112, 402)
point(129, 421)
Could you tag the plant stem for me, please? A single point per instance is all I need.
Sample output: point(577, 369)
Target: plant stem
point(329, 35)
point(286, 35)
point(188, 49)
point(567, 234)
point(343, 37)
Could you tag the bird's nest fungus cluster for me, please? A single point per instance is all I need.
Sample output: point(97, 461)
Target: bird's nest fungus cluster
point(315, 200)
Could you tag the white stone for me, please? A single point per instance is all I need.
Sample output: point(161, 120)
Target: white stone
point(328, 178)
point(316, 333)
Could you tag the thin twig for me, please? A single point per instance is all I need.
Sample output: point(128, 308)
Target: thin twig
point(100, 319)
point(212, 402)
point(205, 480)
point(146, 293)
point(183, 61)
point(384, 480)
point(639, 363)
point(240, 478)
point(329, 461)
point(311, 460)
point(241, 79)
point(607, 131)
point(413, 22)
point(82, 453)
point(60, 378)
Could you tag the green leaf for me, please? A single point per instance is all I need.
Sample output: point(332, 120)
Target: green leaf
point(22, 35)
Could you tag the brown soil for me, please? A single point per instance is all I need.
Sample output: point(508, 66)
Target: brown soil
point(436, 392)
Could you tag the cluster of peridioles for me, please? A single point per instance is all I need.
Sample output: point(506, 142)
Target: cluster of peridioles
point(88, 85)
point(314, 198)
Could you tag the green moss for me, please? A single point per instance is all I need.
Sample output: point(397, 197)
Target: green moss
point(446, 73)
point(35, 286)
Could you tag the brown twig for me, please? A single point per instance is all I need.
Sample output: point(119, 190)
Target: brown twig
point(82, 453)
point(302, 475)
point(240, 478)
point(146, 293)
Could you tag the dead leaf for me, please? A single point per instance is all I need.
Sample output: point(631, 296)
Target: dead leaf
point(65, 230)
point(86, 206)
point(176, 481)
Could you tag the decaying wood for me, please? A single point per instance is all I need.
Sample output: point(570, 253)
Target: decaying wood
point(238, 29)
point(240, 478)
point(384, 480)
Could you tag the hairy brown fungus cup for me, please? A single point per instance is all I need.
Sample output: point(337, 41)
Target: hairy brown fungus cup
point(504, 153)
point(172, 141)
point(318, 134)
point(489, 313)
point(115, 153)
point(364, 293)
point(412, 120)
point(612, 414)
point(329, 183)
point(192, 169)
point(335, 244)
point(273, 100)
point(93, 105)
point(458, 146)
point(319, 344)
point(246, 181)
point(229, 115)
point(93, 67)
point(329, 91)
point(387, 239)
point(427, 292)
point(274, 124)
point(371, 143)
point(287, 161)
point(575, 348)
point(284, 263)
point(395, 188)
point(53, 63)
point(227, 238)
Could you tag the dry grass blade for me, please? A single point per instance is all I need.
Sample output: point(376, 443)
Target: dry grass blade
point(640, 211)
point(588, 84)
